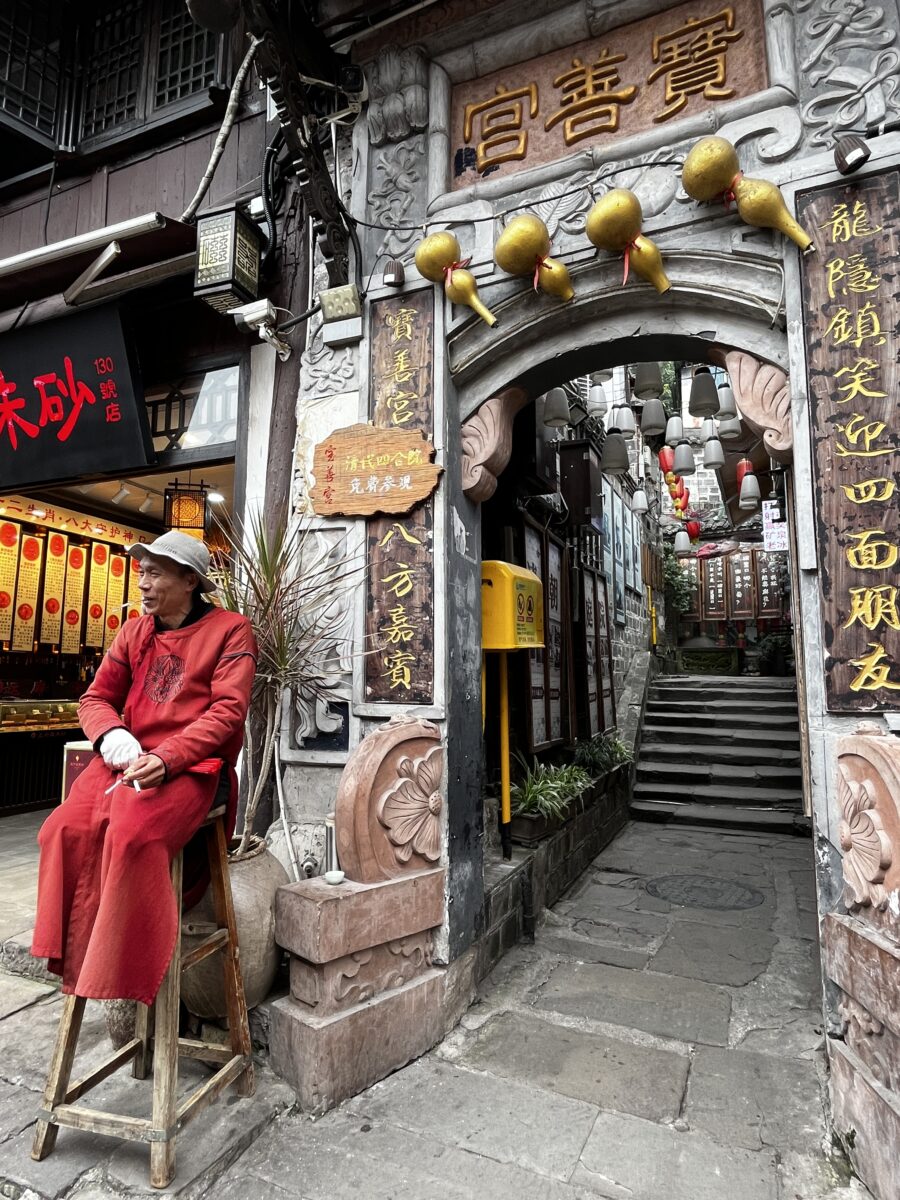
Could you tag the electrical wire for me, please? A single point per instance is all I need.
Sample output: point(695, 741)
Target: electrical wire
point(296, 320)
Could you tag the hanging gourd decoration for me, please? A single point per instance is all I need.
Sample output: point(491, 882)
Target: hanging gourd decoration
point(438, 259)
point(614, 224)
point(523, 248)
point(670, 476)
point(712, 171)
point(693, 530)
point(667, 461)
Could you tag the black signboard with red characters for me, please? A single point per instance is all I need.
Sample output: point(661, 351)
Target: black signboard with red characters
point(69, 404)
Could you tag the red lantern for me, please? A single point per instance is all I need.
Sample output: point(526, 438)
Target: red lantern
point(744, 467)
point(693, 530)
point(679, 487)
point(667, 458)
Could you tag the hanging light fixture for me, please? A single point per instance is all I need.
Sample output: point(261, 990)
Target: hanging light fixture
point(707, 429)
point(748, 498)
point(713, 454)
point(597, 405)
point(556, 409)
point(653, 418)
point(730, 429)
point(639, 503)
point(626, 424)
point(121, 494)
point(674, 431)
point(184, 508)
point(648, 382)
point(146, 504)
point(727, 405)
point(682, 544)
point(614, 456)
point(684, 459)
point(704, 398)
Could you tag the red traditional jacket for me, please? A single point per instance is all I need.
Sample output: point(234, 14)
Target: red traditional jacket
point(183, 693)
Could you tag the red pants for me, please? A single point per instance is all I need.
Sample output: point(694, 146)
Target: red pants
point(106, 913)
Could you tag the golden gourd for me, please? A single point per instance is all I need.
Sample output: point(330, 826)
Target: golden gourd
point(710, 168)
point(760, 203)
point(524, 240)
point(646, 260)
point(435, 253)
point(554, 278)
point(461, 288)
point(615, 220)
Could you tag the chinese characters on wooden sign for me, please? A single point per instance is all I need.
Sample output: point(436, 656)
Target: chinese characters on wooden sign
point(771, 568)
point(362, 470)
point(739, 571)
point(534, 555)
point(636, 77)
point(691, 566)
point(851, 315)
point(400, 601)
point(68, 404)
point(712, 589)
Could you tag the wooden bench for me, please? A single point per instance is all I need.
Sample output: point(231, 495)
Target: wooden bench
point(156, 1042)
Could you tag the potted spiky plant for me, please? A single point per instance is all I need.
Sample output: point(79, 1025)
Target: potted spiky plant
point(289, 582)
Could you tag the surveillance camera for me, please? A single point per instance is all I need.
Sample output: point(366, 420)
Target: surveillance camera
point(254, 314)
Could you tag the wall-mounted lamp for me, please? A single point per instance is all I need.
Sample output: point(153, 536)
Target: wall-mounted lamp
point(850, 152)
point(394, 274)
point(121, 494)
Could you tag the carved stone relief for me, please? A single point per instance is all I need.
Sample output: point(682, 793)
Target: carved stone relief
point(388, 813)
point(339, 984)
point(398, 94)
point(396, 189)
point(876, 1045)
point(868, 788)
point(325, 371)
point(849, 66)
point(763, 398)
point(487, 443)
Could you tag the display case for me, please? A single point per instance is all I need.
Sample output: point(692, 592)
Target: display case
point(38, 716)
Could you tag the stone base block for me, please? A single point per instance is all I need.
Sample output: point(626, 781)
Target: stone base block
point(866, 1117)
point(328, 1059)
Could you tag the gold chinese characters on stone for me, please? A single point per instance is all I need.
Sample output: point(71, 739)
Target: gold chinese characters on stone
point(633, 78)
point(362, 470)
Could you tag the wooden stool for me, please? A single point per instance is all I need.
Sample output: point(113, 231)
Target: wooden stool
point(163, 1050)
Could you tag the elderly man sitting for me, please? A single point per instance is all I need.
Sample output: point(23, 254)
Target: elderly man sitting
point(166, 711)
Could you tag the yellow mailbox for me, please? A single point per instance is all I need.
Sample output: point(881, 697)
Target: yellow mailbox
point(512, 607)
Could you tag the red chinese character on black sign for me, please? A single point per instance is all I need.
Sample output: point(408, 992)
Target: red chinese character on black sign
point(71, 389)
point(113, 414)
point(9, 413)
point(108, 389)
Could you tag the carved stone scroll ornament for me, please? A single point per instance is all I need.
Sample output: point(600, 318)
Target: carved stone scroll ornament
point(388, 814)
point(487, 442)
point(764, 401)
point(398, 94)
point(869, 798)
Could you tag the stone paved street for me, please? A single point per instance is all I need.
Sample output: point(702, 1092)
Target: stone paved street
point(638, 1050)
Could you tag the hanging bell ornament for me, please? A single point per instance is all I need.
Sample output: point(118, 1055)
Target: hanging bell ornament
point(438, 259)
point(614, 224)
point(523, 248)
point(712, 171)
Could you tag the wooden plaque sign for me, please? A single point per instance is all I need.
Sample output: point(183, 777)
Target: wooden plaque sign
point(712, 590)
point(739, 571)
point(692, 567)
point(768, 583)
point(851, 314)
point(361, 470)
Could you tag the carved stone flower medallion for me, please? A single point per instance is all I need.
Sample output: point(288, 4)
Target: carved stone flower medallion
point(410, 810)
point(866, 846)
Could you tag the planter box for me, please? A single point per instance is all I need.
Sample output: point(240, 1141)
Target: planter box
point(527, 829)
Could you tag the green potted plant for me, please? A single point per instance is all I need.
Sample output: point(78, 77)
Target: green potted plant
point(541, 799)
point(601, 757)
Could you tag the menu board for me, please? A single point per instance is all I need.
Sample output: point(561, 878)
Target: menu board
point(115, 594)
point(99, 576)
point(73, 600)
point(534, 561)
point(768, 583)
point(31, 556)
point(9, 566)
point(54, 587)
point(712, 590)
point(134, 595)
point(739, 571)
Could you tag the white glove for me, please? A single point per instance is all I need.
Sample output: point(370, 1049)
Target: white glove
point(119, 749)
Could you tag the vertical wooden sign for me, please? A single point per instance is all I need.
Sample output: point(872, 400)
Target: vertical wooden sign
point(134, 596)
point(400, 600)
point(553, 625)
point(54, 587)
point(591, 662)
point(691, 566)
point(604, 655)
point(537, 658)
point(769, 566)
point(851, 314)
point(9, 567)
point(73, 600)
point(115, 594)
point(739, 576)
point(97, 581)
point(712, 589)
point(31, 557)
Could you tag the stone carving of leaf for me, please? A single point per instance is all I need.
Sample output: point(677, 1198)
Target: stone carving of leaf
point(560, 202)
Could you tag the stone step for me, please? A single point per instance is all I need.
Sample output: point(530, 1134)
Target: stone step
point(771, 682)
point(720, 817)
point(737, 704)
point(779, 799)
point(684, 775)
point(693, 718)
point(720, 750)
point(701, 695)
point(709, 737)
